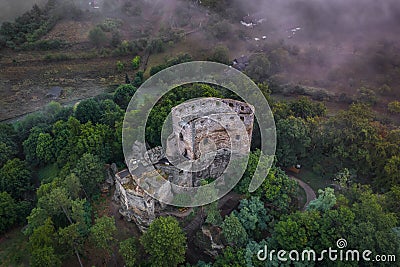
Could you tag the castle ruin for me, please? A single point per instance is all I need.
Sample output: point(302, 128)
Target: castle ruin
point(203, 130)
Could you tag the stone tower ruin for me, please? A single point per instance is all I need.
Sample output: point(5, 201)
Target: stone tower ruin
point(200, 128)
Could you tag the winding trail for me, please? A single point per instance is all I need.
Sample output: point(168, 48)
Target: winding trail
point(309, 191)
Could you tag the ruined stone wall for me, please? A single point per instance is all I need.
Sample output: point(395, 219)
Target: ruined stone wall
point(200, 122)
point(200, 130)
point(135, 204)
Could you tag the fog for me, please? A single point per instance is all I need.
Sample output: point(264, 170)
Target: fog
point(339, 32)
point(10, 9)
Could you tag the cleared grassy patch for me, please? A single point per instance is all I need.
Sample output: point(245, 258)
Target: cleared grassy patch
point(48, 173)
point(314, 180)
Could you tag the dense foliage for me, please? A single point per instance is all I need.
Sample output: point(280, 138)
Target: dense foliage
point(347, 148)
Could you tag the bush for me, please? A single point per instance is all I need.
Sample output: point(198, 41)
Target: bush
point(220, 29)
point(120, 66)
point(115, 39)
point(156, 46)
point(109, 25)
point(367, 96)
point(385, 90)
point(97, 36)
point(171, 62)
point(57, 57)
point(135, 62)
point(123, 95)
point(220, 54)
point(394, 107)
point(43, 45)
point(27, 28)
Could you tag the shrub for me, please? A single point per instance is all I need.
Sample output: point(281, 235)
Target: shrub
point(97, 36)
point(135, 62)
point(220, 54)
point(367, 96)
point(115, 39)
point(156, 46)
point(109, 25)
point(385, 90)
point(394, 107)
point(120, 66)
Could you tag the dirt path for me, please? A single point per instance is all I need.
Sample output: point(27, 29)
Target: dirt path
point(309, 191)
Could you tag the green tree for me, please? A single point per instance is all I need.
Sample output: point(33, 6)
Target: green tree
point(120, 66)
point(97, 36)
point(8, 215)
point(135, 62)
point(8, 143)
point(213, 214)
point(293, 140)
point(128, 249)
point(123, 95)
point(349, 139)
point(325, 201)
point(6, 152)
point(343, 178)
point(45, 148)
point(102, 232)
point(71, 240)
point(383, 155)
point(44, 256)
point(15, 178)
point(253, 215)
point(90, 172)
point(290, 235)
point(233, 231)
point(220, 54)
point(231, 256)
point(165, 242)
point(111, 113)
point(394, 107)
point(139, 79)
point(30, 145)
point(259, 67)
point(278, 189)
point(392, 200)
point(392, 171)
point(73, 185)
point(41, 245)
point(305, 108)
point(88, 110)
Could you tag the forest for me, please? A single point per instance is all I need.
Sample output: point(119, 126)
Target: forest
point(55, 158)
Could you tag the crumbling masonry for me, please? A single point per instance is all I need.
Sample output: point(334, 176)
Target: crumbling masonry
point(200, 127)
